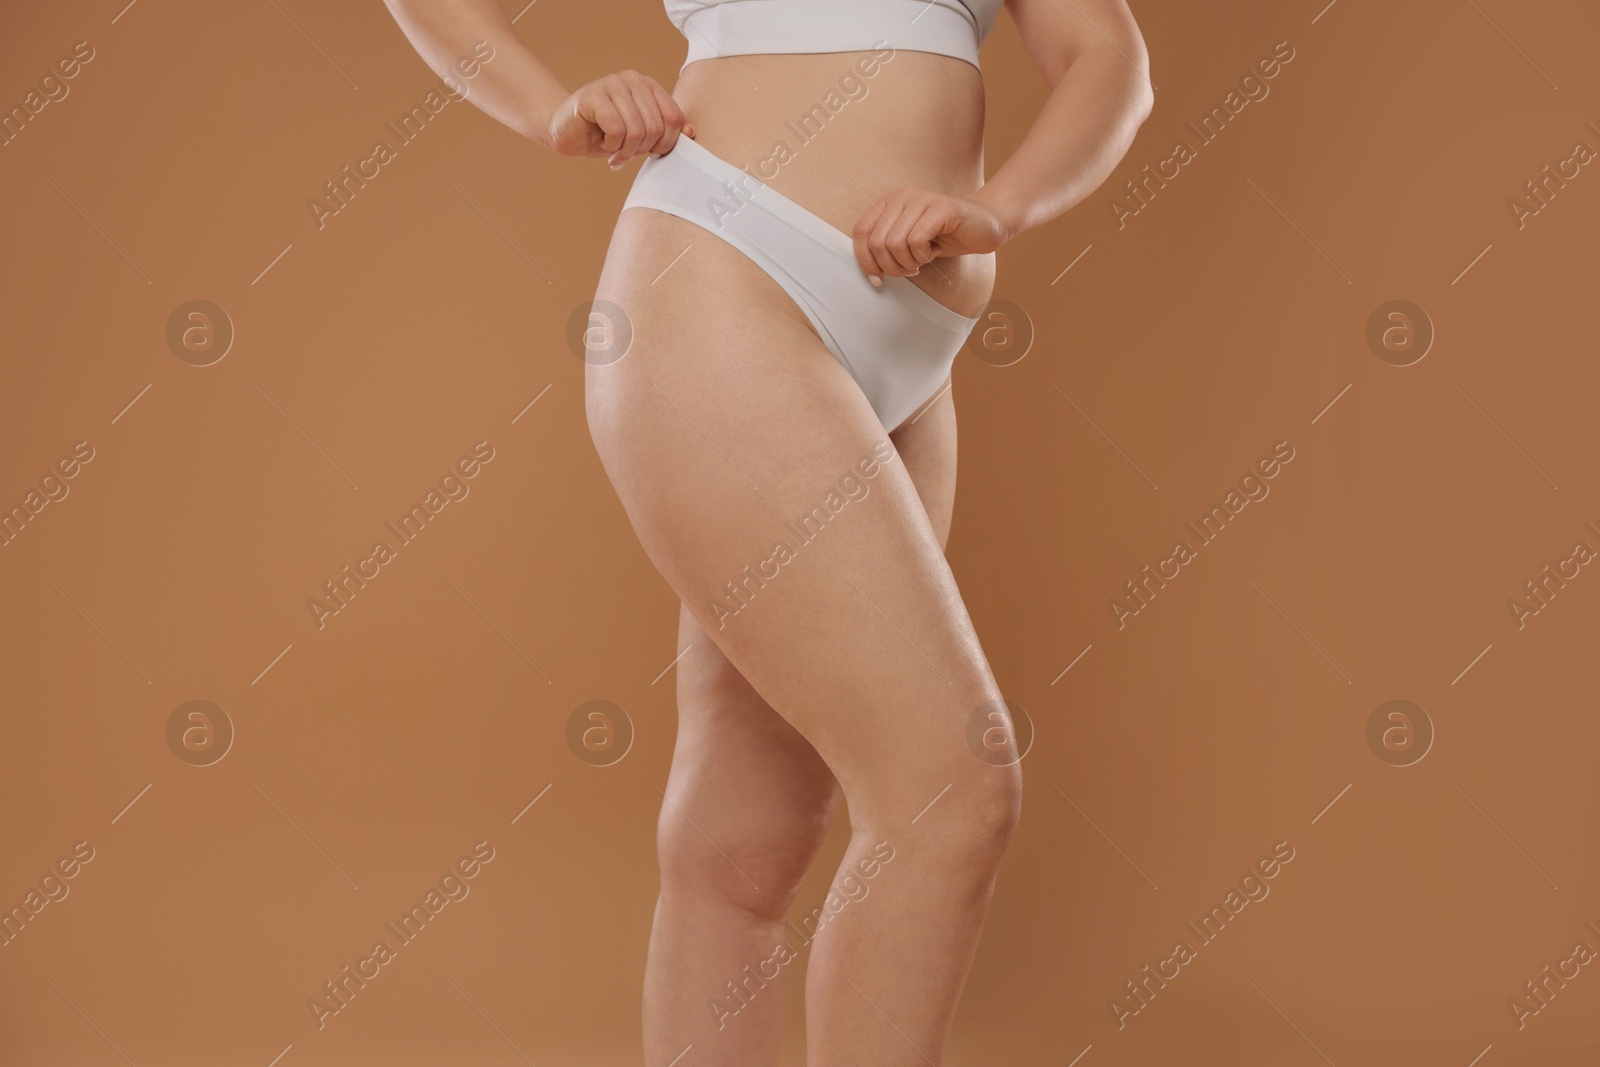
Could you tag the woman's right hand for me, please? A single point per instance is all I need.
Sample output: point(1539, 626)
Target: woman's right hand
point(619, 116)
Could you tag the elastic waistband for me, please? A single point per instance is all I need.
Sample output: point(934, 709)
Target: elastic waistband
point(731, 185)
point(745, 27)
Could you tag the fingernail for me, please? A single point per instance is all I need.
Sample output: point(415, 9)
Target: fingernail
point(875, 280)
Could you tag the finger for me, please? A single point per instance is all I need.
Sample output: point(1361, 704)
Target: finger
point(858, 243)
point(920, 224)
point(653, 124)
point(609, 120)
point(671, 118)
point(883, 264)
point(928, 229)
point(888, 241)
point(633, 127)
point(914, 226)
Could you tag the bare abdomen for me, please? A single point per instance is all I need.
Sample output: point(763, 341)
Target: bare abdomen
point(835, 131)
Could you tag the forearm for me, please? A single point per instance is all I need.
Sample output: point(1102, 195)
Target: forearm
point(514, 87)
point(1079, 137)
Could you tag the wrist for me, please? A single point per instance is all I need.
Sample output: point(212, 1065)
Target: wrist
point(1011, 216)
point(541, 117)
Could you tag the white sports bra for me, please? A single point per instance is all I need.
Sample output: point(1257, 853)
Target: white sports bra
point(743, 27)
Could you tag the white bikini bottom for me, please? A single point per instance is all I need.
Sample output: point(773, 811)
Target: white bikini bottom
point(897, 342)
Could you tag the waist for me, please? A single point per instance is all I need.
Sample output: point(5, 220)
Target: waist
point(835, 131)
point(745, 27)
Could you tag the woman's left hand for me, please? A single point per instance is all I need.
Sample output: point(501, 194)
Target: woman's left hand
point(910, 227)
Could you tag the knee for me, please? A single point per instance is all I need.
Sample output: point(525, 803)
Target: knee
point(967, 830)
point(1001, 791)
point(754, 858)
point(993, 809)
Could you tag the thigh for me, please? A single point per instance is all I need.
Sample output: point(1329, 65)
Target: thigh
point(766, 493)
point(754, 783)
point(927, 446)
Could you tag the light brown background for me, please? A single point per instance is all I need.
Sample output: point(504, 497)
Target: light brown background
point(1224, 718)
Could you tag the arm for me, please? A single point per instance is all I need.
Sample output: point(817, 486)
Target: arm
point(515, 89)
point(619, 116)
point(1093, 58)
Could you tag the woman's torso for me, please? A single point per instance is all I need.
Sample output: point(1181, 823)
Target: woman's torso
point(835, 131)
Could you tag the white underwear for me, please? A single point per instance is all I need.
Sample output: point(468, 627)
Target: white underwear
point(897, 342)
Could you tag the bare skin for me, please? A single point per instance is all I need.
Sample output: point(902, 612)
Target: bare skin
point(854, 672)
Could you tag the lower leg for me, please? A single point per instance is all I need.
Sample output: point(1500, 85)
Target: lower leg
point(887, 969)
point(714, 981)
point(747, 806)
